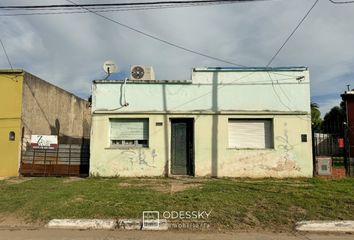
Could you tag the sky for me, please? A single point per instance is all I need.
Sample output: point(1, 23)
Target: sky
point(68, 50)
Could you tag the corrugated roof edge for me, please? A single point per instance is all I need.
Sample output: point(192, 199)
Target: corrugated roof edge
point(145, 81)
point(251, 69)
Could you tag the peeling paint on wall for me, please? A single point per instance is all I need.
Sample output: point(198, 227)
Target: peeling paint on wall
point(289, 157)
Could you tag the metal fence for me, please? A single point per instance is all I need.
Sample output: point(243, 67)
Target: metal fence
point(326, 144)
point(66, 160)
point(333, 142)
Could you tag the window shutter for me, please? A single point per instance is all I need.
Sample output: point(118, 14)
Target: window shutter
point(250, 133)
point(129, 129)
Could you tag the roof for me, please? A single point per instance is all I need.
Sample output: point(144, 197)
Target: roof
point(130, 81)
point(348, 95)
point(251, 69)
point(210, 69)
point(11, 70)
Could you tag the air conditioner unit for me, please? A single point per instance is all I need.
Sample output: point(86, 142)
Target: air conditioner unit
point(141, 72)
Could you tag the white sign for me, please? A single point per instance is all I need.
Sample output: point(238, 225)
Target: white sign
point(44, 141)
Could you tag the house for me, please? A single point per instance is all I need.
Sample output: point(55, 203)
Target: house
point(31, 106)
point(348, 98)
point(224, 122)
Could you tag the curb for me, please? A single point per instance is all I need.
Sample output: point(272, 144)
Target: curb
point(129, 224)
point(105, 224)
point(325, 226)
point(162, 226)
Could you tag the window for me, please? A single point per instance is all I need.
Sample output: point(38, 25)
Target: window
point(129, 132)
point(250, 133)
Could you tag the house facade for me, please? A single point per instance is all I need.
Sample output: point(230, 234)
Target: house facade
point(224, 122)
point(31, 106)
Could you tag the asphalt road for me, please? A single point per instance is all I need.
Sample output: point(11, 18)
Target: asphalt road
point(41, 234)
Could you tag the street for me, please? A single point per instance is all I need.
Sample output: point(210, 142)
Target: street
point(41, 234)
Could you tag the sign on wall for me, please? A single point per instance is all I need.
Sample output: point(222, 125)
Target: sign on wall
point(44, 141)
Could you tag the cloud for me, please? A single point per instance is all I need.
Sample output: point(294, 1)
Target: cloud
point(68, 50)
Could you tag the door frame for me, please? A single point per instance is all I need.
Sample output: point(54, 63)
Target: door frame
point(191, 121)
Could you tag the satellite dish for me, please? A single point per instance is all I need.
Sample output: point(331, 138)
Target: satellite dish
point(137, 72)
point(110, 67)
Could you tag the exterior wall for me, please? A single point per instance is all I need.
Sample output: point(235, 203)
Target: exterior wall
point(289, 158)
point(350, 111)
point(10, 120)
point(211, 98)
point(247, 92)
point(132, 162)
point(47, 109)
point(348, 97)
point(350, 106)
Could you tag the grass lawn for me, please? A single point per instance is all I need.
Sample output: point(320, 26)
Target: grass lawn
point(235, 203)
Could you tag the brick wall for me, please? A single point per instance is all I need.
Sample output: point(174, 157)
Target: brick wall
point(338, 172)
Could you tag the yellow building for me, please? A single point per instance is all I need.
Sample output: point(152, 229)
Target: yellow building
point(10, 121)
point(30, 105)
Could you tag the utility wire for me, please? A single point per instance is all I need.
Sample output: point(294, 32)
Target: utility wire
point(345, 2)
point(166, 5)
point(168, 42)
point(154, 37)
point(7, 57)
point(292, 33)
point(186, 49)
point(208, 56)
point(122, 7)
point(281, 47)
point(160, 39)
point(276, 93)
point(120, 4)
point(103, 9)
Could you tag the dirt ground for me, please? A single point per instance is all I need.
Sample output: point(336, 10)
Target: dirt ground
point(167, 185)
point(13, 221)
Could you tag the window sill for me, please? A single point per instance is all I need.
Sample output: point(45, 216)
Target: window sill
point(253, 149)
point(124, 147)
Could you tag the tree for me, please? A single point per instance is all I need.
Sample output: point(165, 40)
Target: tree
point(333, 120)
point(315, 116)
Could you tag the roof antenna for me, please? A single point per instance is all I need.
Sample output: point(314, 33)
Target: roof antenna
point(348, 87)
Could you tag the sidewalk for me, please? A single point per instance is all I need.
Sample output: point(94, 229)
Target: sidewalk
point(45, 234)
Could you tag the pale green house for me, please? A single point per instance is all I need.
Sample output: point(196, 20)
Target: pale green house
point(234, 122)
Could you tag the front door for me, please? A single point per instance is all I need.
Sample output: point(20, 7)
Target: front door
point(182, 147)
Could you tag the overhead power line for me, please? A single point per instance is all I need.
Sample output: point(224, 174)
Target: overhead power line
point(54, 11)
point(7, 57)
point(292, 33)
point(184, 48)
point(119, 7)
point(160, 39)
point(156, 37)
point(343, 2)
point(119, 4)
point(168, 42)
point(279, 50)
